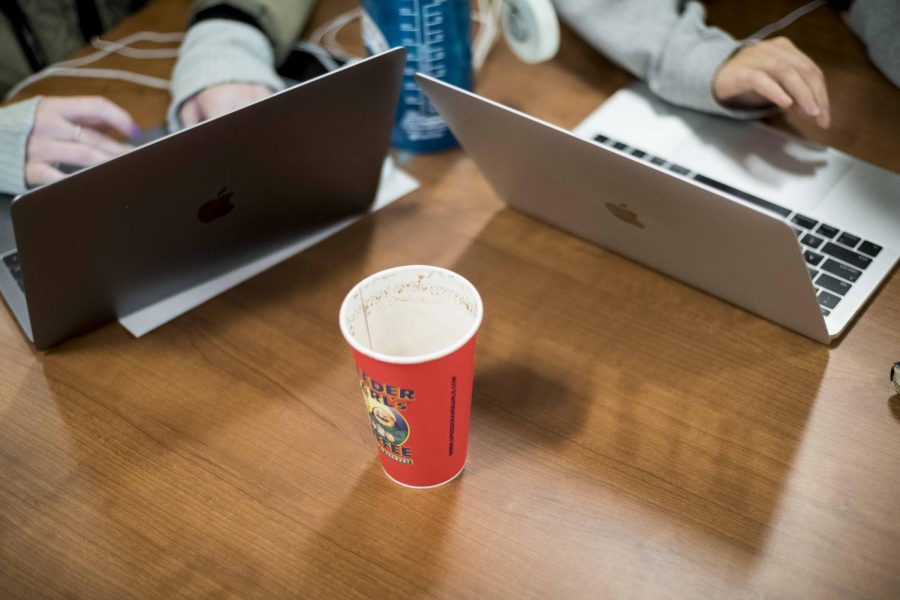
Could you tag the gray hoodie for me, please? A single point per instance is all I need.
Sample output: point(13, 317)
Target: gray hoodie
point(666, 43)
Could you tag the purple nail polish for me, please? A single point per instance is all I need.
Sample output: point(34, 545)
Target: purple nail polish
point(135, 130)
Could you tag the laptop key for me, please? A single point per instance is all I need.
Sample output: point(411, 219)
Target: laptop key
point(869, 248)
point(601, 138)
point(860, 261)
point(812, 273)
point(848, 239)
point(811, 240)
point(679, 169)
point(825, 311)
point(733, 191)
point(811, 257)
point(804, 221)
point(657, 161)
point(833, 284)
point(638, 153)
point(827, 231)
point(12, 263)
point(828, 300)
point(15, 269)
point(798, 231)
point(841, 270)
point(619, 145)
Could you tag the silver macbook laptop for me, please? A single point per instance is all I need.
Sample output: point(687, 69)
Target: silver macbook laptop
point(809, 266)
point(114, 238)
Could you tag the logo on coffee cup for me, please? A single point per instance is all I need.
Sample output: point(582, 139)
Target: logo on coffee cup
point(386, 404)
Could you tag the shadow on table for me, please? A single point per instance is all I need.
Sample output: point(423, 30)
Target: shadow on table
point(227, 360)
point(383, 538)
point(627, 378)
point(894, 405)
point(203, 428)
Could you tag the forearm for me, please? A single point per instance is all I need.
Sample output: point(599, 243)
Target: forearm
point(237, 42)
point(877, 23)
point(280, 20)
point(216, 52)
point(659, 41)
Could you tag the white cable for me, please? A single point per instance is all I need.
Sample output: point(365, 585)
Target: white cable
point(143, 53)
point(489, 16)
point(333, 45)
point(325, 35)
point(484, 27)
point(107, 48)
point(154, 82)
point(319, 52)
point(69, 68)
point(786, 20)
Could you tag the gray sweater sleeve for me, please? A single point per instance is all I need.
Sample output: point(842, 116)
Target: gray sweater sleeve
point(220, 51)
point(16, 122)
point(664, 42)
point(877, 22)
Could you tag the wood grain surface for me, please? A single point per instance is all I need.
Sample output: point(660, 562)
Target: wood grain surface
point(631, 437)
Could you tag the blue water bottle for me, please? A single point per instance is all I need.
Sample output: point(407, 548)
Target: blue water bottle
point(436, 36)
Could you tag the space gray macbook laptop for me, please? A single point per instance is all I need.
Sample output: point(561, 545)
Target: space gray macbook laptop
point(114, 238)
point(809, 267)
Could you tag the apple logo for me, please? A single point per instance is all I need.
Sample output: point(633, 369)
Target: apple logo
point(623, 214)
point(217, 207)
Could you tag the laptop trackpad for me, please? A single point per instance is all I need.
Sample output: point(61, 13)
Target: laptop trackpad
point(751, 157)
point(865, 203)
point(764, 162)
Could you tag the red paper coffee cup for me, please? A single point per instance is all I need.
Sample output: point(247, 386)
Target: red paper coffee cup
point(412, 332)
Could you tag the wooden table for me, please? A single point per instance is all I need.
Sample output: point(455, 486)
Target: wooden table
point(631, 436)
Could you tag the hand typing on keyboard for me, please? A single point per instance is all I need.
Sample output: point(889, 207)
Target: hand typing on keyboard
point(774, 71)
point(220, 99)
point(74, 132)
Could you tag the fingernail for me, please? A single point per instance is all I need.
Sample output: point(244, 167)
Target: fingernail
point(814, 110)
point(135, 130)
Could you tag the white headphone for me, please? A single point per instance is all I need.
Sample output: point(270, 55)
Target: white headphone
point(531, 29)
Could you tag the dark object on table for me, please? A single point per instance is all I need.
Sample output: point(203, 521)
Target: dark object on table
point(895, 376)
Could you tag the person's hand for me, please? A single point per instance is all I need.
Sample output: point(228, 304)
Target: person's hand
point(774, 71)
point(73, 131)
point(220, 99)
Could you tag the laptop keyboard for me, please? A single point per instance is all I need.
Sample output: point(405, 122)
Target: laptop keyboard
point(11, 262)
point(835, 258)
